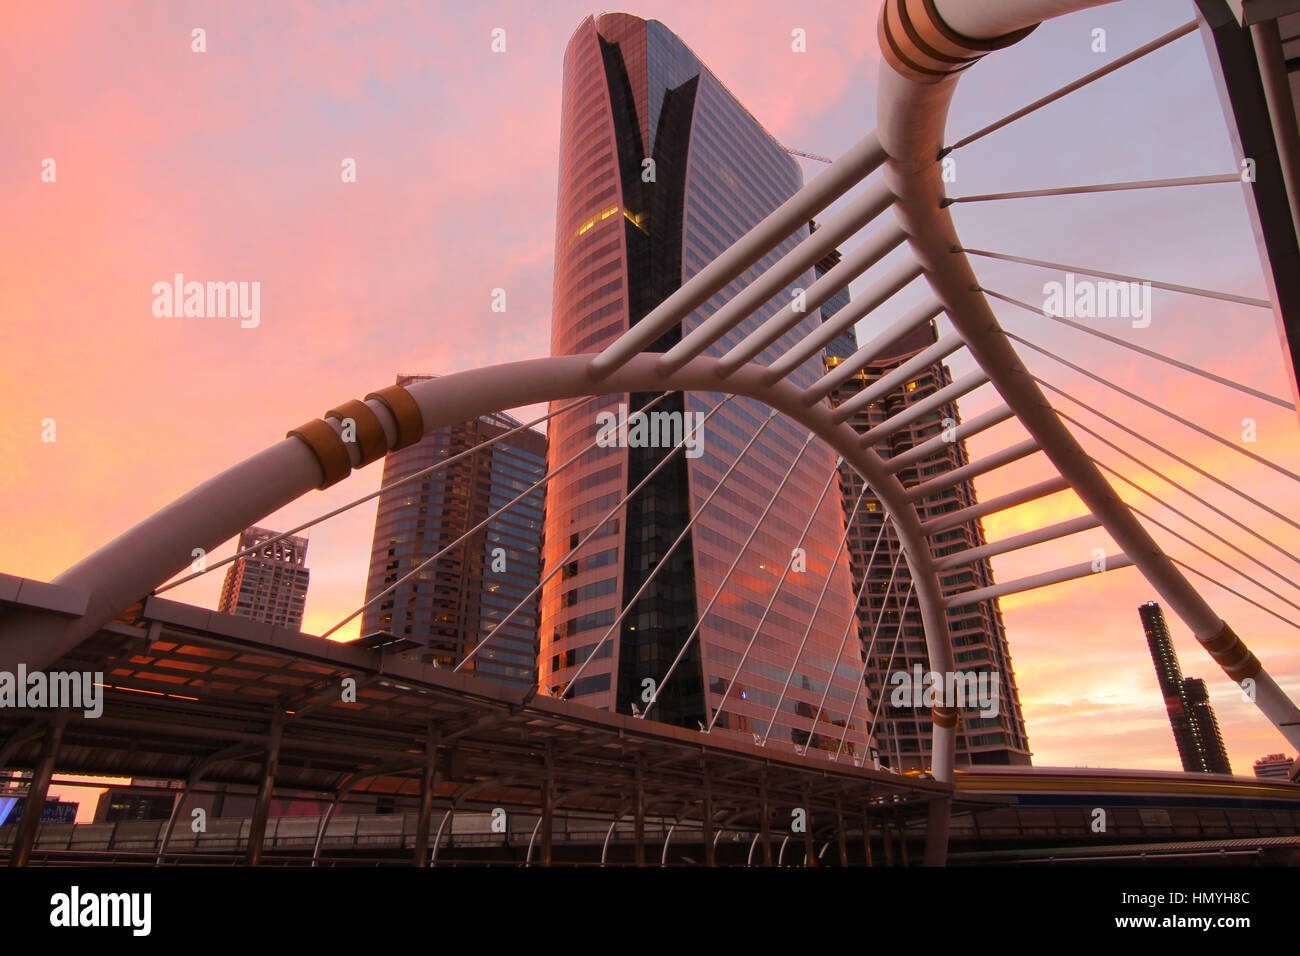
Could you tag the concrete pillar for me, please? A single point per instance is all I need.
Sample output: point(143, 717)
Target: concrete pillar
point(639, 809)
point(866, 836)
point(265, 789)
point(548, 803)
point(809, 848)
point(840, 837)
point(936, 832)
point(428, 781)
point(706, 828)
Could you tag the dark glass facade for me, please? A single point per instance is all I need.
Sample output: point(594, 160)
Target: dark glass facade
point(625, 240)
point(457, 600)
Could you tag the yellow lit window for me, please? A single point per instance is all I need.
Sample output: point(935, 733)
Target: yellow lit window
point(601, 216)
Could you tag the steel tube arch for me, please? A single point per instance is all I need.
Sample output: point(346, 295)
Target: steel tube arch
point(912, 114)
point(127, 568)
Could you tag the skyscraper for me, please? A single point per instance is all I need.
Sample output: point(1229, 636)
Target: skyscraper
point(455, 602)
point(876, 393)
point(1274, 766)
point(1174, 690)
point(1209, 741)
point(269, 585)
point(661, 169)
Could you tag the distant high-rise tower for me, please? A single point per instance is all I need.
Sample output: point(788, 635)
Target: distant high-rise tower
point(661, 170)
point(1274, 766)
point(1174, 690)
point(451, 605)
point(269, 585)
point(978, 635)
point(1209, 741)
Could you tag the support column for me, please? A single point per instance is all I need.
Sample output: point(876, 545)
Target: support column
point(428, 781)
point(886, 838)
point(262, 805)
point(840, 837)
point(765, 824)
point(809, 847)
point(30, 824)
point(706, 828)
point(548, 803)
point(902, 840)
point(866, 835)
point(640, 811)
point(936, 832)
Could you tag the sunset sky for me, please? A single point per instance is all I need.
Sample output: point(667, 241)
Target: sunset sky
point(225, 165)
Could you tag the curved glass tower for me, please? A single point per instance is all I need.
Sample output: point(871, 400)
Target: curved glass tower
point(661, 169)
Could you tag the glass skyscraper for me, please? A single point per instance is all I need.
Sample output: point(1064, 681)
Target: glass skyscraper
point(661, 169)
point(455, 602)
point(1196, 731)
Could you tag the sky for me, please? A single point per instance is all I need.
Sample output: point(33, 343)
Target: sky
point(226, 165)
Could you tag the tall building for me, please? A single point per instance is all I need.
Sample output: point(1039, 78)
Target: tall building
point(1209, 741)
point(879, 392)
point(269, 585)
point(662, 169)
point(455, 602)
point(1274, 766)
point(1174, 690)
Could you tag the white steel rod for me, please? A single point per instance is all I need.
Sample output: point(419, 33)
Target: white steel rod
point(1155, 407)
point(1149, 353)
point(972, 426)
point(918, 410)
point(1097, 74)
point(868, 353)
point(864, 208)
point(1120, 277)
point(595, 529)
point(866, 655)
point(951, 519)
point(775, 591)
point(1178, 458)
point(1100, 188)
point(973, 470)
point(1109, 562)
point(1028, 539)
point(881, 292)
point(735, 562)
point(788, 218)
point(817, 608)
point(374, 494)
point(471, 532)
point(627, 608)
point(937, 352)
point(875, 248)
